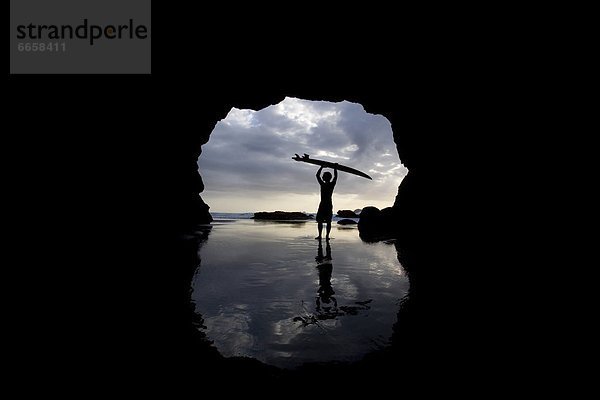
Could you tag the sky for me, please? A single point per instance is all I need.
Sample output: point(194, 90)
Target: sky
point(247, 164)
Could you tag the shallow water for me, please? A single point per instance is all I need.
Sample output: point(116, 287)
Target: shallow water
point(266, 291)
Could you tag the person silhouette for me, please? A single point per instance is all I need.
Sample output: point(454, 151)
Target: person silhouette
point(325, 212)
point(326, 304)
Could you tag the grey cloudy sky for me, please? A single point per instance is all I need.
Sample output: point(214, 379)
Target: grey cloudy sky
point(247, 165)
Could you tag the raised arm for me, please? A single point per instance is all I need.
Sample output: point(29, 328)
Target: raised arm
point(335, 174)
point(319, 176)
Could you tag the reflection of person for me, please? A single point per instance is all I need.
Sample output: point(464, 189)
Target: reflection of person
point(325, 212)
point(325, 292)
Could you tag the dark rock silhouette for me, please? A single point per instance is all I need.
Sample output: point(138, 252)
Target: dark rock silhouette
point(346, 222)
point(392, 221)
point(282, 216)
point(117, 307)
point(376, 224)
point(347, 214)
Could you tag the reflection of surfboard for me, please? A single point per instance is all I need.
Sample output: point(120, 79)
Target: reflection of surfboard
point(306, 158)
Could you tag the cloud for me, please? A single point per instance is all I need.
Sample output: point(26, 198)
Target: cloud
point(247, 161)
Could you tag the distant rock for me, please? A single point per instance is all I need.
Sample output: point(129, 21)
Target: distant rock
point(281, 216)
point(347, 214)
point(347, 222)
point(358, 211)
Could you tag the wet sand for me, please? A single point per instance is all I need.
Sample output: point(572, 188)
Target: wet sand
point(265, 290)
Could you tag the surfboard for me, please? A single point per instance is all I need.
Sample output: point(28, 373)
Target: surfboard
point(306, 158)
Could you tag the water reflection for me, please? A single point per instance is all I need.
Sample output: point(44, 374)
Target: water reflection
point(326, 303)
point(264, 294)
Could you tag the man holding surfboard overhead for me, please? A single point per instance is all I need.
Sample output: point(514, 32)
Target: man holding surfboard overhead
point(325, 212)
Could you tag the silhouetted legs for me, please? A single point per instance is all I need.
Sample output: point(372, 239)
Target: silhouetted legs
point(321, 230)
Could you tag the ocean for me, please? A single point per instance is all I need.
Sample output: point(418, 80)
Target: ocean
point(249, 215)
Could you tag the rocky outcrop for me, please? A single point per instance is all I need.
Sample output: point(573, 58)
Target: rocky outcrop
point(282, 216)
point(376, 224)
point(347, 222)
point(347, 214)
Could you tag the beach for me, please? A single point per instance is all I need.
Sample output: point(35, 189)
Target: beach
point(268, 290)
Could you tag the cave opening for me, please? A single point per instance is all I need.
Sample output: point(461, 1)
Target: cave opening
point(270, 291)
point(246, 164)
